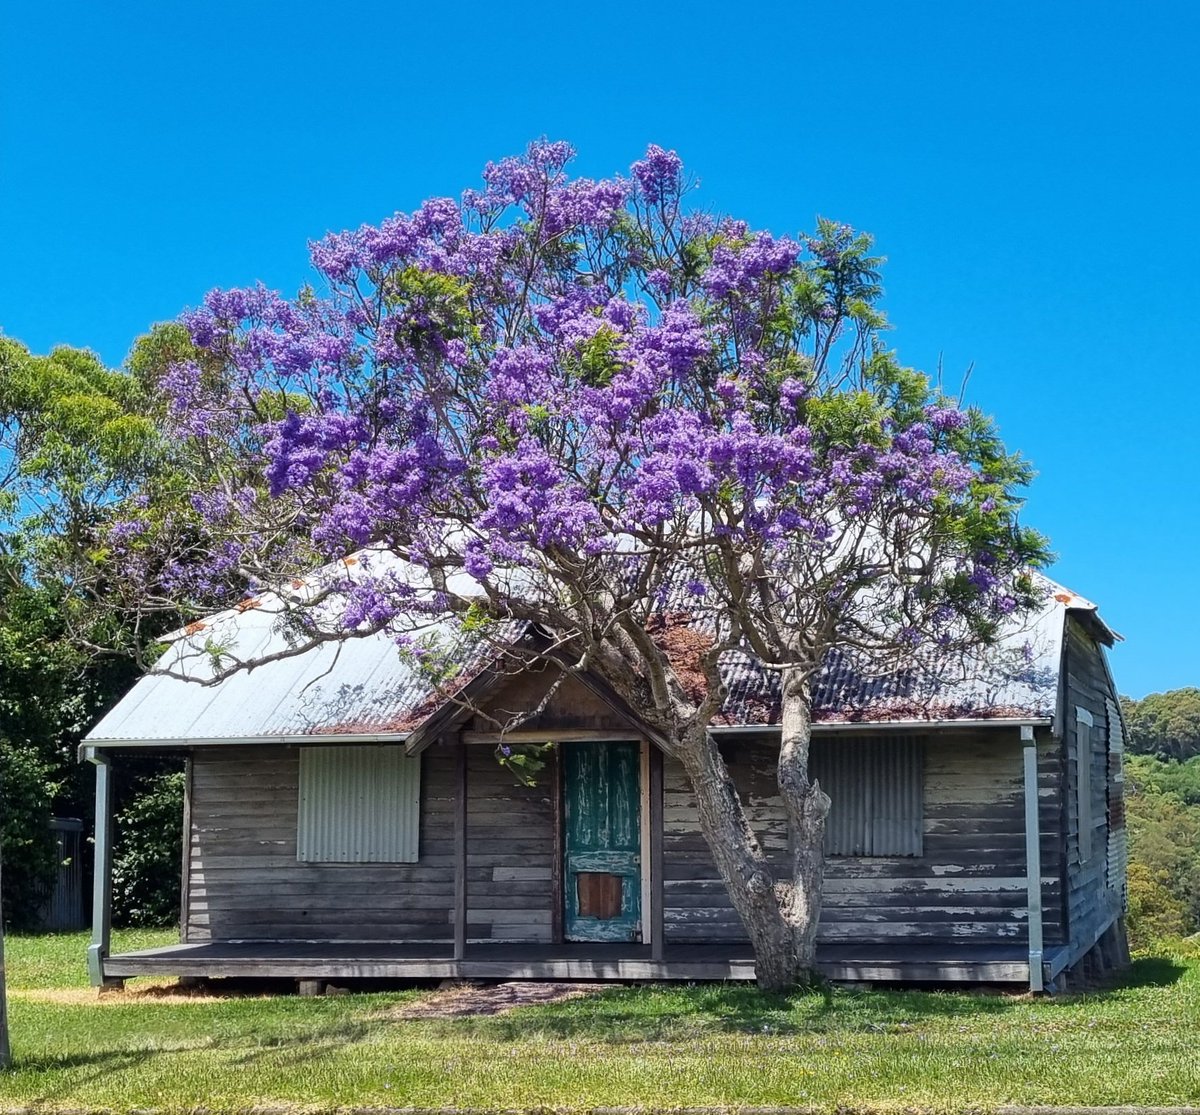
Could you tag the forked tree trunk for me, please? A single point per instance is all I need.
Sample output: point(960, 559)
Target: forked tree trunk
point(781, 920)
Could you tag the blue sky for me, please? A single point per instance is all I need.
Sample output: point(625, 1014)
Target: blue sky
point(1029, 170)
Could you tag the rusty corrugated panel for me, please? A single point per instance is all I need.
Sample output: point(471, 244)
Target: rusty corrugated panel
point(876, 789)
point(358, 805)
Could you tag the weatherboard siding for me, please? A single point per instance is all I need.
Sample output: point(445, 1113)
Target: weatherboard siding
point(244, 879)
point(968, 884)
point(510, 853)
point(1091, 904)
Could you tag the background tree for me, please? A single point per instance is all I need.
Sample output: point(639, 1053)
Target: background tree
point(77, 441)
point(1165, 724)
point(666, 438)
point(1163, 808)
point(5, 1047)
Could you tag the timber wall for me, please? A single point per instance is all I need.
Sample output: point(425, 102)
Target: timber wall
point(1094, 894)
point(244, 881)
point(968, 883)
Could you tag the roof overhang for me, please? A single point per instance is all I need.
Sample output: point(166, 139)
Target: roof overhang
point(423, 740)
point(832, 727)
point(307, 740)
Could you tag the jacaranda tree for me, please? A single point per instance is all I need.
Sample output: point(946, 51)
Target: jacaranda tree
point(661, 436)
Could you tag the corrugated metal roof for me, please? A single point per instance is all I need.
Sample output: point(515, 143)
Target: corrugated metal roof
point(364, 686)
point(344, 687)
point(1017, 677)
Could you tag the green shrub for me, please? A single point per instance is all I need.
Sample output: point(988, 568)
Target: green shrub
point(148, 851)
point(26, 843)
point(1164, 844)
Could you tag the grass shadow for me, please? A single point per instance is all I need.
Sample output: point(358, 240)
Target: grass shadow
point(305, 1044)
point(1152, 971)
point(106, 1060)
point(1145, 972)
point(97, 1066)
point(664, 1012)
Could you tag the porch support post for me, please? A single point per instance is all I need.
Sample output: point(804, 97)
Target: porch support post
point(185, 889)
point(460, 849)
point(556, 867)
point(102, 870)
point(656, 854)
point(1033, 860)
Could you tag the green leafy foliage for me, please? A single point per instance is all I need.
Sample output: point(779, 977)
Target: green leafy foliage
point(25, 837)
point(1155, 911)
point(76, 439)
point(148, 852)
point(1165, 724)
point(1163, 811)
point(49, 693)
point(524, 761)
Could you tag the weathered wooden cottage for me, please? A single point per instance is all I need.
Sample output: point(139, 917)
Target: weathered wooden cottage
point(343, 822)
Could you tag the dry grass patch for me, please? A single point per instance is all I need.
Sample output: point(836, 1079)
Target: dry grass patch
point(167, 992)
point(466, 999)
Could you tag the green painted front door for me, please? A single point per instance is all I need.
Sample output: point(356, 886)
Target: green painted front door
point(602, 873)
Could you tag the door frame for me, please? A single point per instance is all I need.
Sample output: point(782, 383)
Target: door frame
point(557, 877)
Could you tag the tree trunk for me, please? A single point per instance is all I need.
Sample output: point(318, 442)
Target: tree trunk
point(5, 1051)
point(740, 859)
point(781, 920)
point(807, 807)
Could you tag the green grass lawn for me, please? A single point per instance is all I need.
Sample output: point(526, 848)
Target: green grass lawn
point(650, 1046)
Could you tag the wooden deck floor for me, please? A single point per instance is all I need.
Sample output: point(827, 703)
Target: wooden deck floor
point(388, 960)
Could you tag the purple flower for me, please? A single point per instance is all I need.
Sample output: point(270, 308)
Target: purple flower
point(659, 281)
point(658, 174)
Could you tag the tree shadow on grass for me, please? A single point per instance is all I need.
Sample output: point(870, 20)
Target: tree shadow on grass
point(98, 1066)
point(657, 1012)
point(296, 1040)
point(305, 1044)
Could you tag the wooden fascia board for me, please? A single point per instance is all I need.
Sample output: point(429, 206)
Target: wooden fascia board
point(90, 747)
point(610, 697)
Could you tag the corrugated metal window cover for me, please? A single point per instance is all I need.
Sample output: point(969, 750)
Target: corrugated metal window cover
point(1118, 837)
point(358, 805)
point(877, 795)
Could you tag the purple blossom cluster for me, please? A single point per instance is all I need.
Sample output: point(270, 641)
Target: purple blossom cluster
point(739, 268)
point(539, 368)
